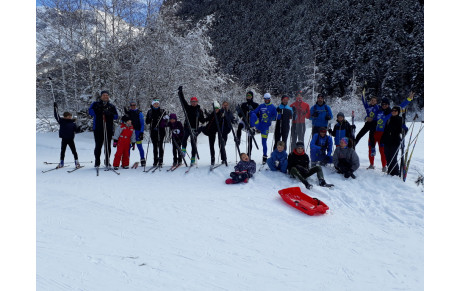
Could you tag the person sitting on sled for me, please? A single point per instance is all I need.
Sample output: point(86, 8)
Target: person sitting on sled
point(278, 158)
point(244, 170)
point(345, 159)
point(299, 167)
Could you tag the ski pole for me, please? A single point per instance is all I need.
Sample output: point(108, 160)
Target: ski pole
point(410, 158)
point(396, 153)
point(52, 91)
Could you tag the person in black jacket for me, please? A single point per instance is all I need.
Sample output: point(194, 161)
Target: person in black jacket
point(299, 167)
point(210, 129)
point(246, 107)
point(67, 130)
point(157, 119)
point(192, 121)
point(391, 138)
point(103, 113)
point(137, 118)
point(282, 126)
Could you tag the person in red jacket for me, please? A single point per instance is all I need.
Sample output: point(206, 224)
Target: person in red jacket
point(301, 112)
point(123, 139)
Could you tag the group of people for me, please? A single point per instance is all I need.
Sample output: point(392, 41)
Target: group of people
point(384, 125)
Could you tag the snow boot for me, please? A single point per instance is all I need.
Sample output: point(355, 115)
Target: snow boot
point(323, 183)
point(352, 176)
point(115, 168)
point(192, 161)
point(155, 162)
point(307, 185)
point(160, 162)
point(184, 152)
point(142, 162)
point(264, 160)
point(385, 169)
point(213, 160)
point(61, 164)
point(229, 181)
point(371, 167)
point(77, 164)
point(125, 167)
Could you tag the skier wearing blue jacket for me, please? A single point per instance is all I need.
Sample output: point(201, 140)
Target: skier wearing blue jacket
point(320, 114)
point(137, 119)
point(278, 158)
point(261, 119)
point(370, 121)
point(321, 148)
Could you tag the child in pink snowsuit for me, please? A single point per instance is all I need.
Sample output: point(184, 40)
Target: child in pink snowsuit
point(123, 139)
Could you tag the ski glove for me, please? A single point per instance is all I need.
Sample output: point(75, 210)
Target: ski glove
point(115, 142)
point(328, 117)
point(141, 136)
point(353, 126)
point(278, 110)
point(176, 131)
point(133, 146)
point(166, 117)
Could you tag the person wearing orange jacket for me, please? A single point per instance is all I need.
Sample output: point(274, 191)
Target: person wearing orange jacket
point(301, 112)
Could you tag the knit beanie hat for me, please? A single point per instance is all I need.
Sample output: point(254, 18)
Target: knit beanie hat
point(105, 92)
point(250, 93)
point(173, 116)
point(193, 99)
point(385, 100)
point(125, 118)
point(155, 101)
point(340, 114)
point(267, 96)
point(345, 140)
point(299, 144)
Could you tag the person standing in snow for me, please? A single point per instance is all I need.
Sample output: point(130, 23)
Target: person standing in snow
point(283, 117)
point(301, 111)
point(345, 159)
point(214, 120)
point(321, 148)
point(320, 114)
point(370, 124)
point(123, 139)
point(157, 118)
point(244, 170)
point(67, 130)
point(261, 119)
point(391, 138)
point(247, 107)
point(192, 121)
point(137, 120)
point(299, 167)
point(342, 129)
point(103, 113)
point(278, 158)
point(177, 132)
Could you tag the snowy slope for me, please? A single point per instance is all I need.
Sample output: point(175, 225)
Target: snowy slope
point(176, 231)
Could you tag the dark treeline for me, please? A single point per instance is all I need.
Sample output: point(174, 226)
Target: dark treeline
point(329, 46)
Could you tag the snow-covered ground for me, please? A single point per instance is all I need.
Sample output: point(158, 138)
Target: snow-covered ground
point(177, 231)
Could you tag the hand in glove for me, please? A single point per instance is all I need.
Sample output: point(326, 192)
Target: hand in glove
point(55, 104)
point(166, 117)
point(115, 142)
point(328, 117)
point(180, 89)
point(330, 131)
point(141, 136)
point(133, 146)
point(176, 131)
point(353, 126)
point(278, 110)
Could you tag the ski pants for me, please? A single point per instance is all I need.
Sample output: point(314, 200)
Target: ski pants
point(281, 135)
point(176, 150)
point(99, 140)
point(377, 138)
point(344, 167)
point(391, 152)
point(248, 138)
point(212, 141)
point(297, 133)
point(139, 144)
point(239, 177)
point(71, 143)
point(157, 136)
point(264, 129)
point(122, 153)
point(192, 139)
point(368, 126)
point(281, 167)
point(302, 173)
point(320, 156)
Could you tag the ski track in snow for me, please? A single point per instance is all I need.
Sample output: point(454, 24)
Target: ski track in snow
point(177, 231)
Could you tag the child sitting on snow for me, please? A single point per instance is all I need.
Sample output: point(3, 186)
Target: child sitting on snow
point(243, 170)
point(345, 159)
point(67, 130)
point(278, 159)
point(123, 139)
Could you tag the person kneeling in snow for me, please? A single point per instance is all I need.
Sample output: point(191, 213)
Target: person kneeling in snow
point(298, 166)
point(244, 170)
point(123, 139)
point(345, 159)
point(278, 158)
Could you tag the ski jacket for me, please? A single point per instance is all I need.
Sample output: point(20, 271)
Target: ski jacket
point(155, 117)
point(301, 111)
point(137, 119)
point(98, 110)
point(279, 156)
point(250, 167)
point(247, 107)
point(228, 119)
point(320, 144)
point(174, 127)
point(348, 154)
point(341, 129)
point(324, 114)
point(296, 159)
point(263, 115)
point(371, 111)
point(194, 113)
point(382, 116)
point(393, 131)
point(67, 127)
point(283, 117)
point(211, 127)
point(124, 134)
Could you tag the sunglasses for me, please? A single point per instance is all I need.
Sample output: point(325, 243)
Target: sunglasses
point(133, 104)
point(394, 110)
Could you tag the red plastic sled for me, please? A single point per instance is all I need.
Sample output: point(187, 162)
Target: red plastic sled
point(294, 197)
